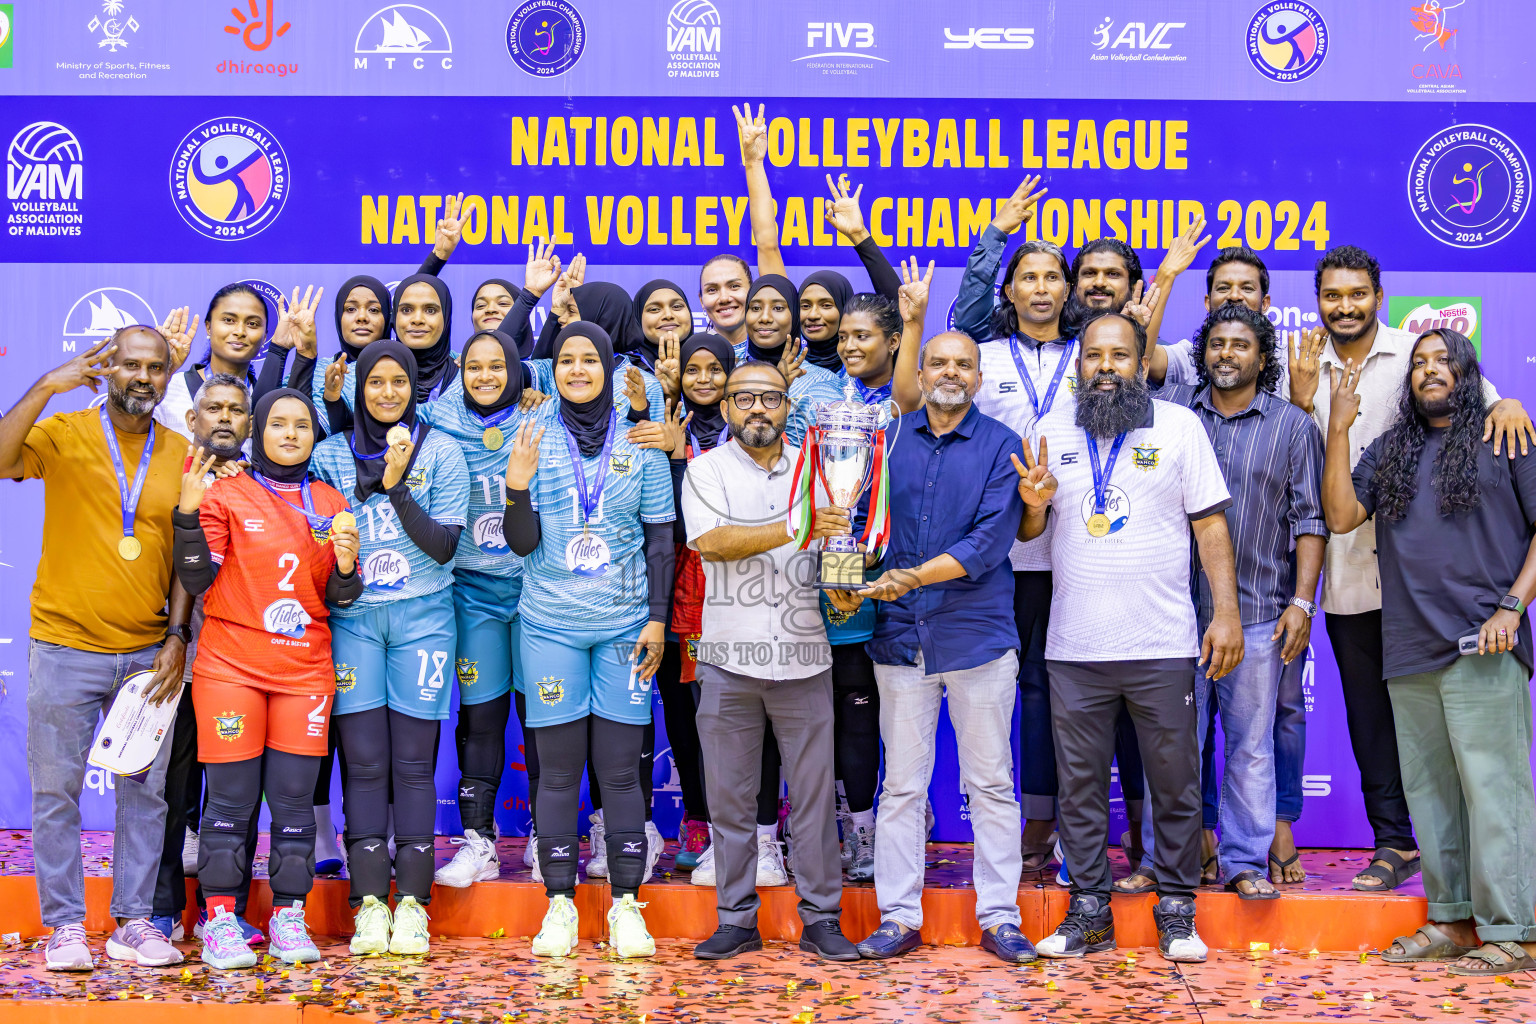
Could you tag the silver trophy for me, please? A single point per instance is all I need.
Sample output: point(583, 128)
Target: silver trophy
point(845, 457)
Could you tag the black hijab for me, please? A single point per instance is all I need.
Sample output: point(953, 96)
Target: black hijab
point(259, 460)
point(650, 351)
point(786, 289)
point(588, 421)
point(708, 420)
point(512, 290)
point(380, 292)
point(824, 353)
point(513, 392)
point(370, 437)
point(434, 365)
point(609, 307)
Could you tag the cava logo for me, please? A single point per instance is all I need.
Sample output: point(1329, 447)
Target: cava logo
point(98, 313)
point(693, 40)
point(285, 616)
point(1419, 314)
point(403, 36)
point(1287, 41)
point(44, 181)
point(488, 535)
point(229, 178)
point(1469, 186)
point(546, 37)
point(386, 570)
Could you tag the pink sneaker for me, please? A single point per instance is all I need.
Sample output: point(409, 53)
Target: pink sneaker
point(67, 951)
point(224, 947)
point(695, 841)
point(141, 942)
point(290, 938)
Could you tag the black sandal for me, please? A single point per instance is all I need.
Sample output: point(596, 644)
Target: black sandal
point(1278, 866)
point(1149, 886)
point(1393, 873)
point(1254, 878)
point(1210, 872)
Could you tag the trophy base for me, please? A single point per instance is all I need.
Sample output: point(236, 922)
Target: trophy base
point(841, 570)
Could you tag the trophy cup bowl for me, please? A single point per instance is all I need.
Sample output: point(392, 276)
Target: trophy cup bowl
point(845, 459)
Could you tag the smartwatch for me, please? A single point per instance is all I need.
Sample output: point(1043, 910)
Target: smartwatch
point(183, 630)
point(1307, 606)
point(1511, 603)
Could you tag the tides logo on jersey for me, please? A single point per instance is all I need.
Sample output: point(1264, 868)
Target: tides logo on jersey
point(286, 616)
point(488, 534)
point(386, 570)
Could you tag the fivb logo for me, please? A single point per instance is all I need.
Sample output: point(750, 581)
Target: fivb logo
point(44, 180)
point(837, 37)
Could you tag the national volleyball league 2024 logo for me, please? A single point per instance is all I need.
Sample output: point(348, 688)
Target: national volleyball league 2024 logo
point(229, 178)
point(1469, 186)
point(1287, 40)
point(546, 37)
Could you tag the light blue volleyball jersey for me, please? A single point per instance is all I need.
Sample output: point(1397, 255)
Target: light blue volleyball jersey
point(482, 548)
point(349, 388)
point(597, 580)
point(393, 567)
point(543, 371)
point(817, 386)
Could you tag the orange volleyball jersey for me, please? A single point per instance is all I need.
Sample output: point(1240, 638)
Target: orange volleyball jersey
point(265, 614)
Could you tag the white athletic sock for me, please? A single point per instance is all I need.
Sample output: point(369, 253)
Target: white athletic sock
point(863, 819)
point(771, 831)
point(325, 835)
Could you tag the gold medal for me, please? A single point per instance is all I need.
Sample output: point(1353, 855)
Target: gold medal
point(344, 519)
point(397, 435)
point(1098, 525)
point(130, 548)
point(493, 438)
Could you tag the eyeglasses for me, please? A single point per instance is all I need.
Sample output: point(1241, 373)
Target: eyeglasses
point(745, 400)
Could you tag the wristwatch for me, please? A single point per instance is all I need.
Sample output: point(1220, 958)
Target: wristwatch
point(1511, 603)
point(1307, 606)
point(183, 630)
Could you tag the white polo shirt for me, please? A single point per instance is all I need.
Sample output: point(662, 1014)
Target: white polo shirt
point(762, 615)
point(1004, 397)
point(1127, 596)
point(1351, 580)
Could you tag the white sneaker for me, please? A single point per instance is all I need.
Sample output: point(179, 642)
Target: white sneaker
point(189, 847)
point(655, 846)
point(845, 830)
point(410, 935)
point(531, 851)
point(475, 861)
point(704, 871)
point(370, 935)
point(627, 934)
point(770, 862)
point(597, 858)
point(862, 841)
point(558, 934)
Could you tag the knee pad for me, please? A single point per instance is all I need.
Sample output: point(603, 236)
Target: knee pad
point(221, 855)
point(557, 861)
point(626, 859)
point(421, 846)
point(291, 866)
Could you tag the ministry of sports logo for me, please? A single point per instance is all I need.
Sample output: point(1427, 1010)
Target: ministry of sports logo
point(1287, 40)
point(229, 178)
point(1469, 186)
point(546, 37)
point(44, 181)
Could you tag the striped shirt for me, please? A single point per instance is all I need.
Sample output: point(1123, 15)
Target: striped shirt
point(1271, 456)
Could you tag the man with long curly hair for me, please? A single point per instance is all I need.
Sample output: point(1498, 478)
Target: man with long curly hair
point(1457, 553)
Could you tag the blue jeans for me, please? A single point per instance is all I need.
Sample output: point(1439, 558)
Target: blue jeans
point(1290, 741)
point(67, 692)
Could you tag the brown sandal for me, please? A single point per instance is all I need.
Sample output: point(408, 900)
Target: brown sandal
point(1519, 960)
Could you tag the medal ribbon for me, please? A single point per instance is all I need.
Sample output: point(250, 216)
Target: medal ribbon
point(352, 442)
point(1101, 477)
point(872, 396)
point(494, 420)
point(697, 449)
point(316, 521)
point(1041, 408)
point(128, 499)
point(590, 500)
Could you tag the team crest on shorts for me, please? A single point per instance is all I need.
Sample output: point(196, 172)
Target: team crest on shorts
point(346, 677)
point(468, 671)
point(551, 691)
point(1145, 458)
point(620, 464)
point(229, 726)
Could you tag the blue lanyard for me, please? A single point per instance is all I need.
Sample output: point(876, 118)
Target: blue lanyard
point(1041, 408)
point(1101, 477)
point(495, 420)
point(316, 521)
point(352, 443)
point(698, 449)
point(872, 396)
point(129, 499)
point(590, 500)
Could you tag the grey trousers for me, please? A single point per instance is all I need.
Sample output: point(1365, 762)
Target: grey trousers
point(1159, 694)
point(1464, 738)
point(732, 711)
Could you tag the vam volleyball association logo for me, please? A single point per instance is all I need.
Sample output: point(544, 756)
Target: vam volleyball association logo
point(229, 178)
point(1469, 186)
point(1287, 40)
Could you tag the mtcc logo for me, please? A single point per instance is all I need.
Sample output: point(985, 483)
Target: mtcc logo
point(100, 312)
point(229, 178)
point(403, 36)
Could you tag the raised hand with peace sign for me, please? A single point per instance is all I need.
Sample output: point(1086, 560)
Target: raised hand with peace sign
point(1019, 208)
point(449, 227)
point(1036, 484)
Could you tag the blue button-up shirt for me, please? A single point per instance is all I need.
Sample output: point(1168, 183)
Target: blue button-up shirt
point(1271, 455)
point(955, 494)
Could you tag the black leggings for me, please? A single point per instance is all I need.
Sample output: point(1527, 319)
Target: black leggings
point(680, 705)
point(530, 748)
point(234, 793)
point(647, 770)
point(481, 739)
point(383, 745)
point(615, 751)
point(856, 728)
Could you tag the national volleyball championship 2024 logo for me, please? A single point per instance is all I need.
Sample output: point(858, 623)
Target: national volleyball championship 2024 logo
point(229, 178)
point(1287, 40)
point(546, 37)
point(1469, 186)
